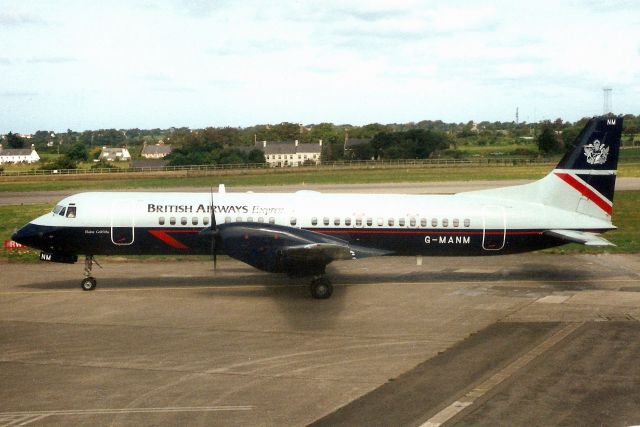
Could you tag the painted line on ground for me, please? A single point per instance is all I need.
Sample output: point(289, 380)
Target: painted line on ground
point(26, 417)
point(477, 392)
point(228, 287)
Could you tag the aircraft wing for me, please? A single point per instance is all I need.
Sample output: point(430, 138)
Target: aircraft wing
point(582, 237)
point(278, 248)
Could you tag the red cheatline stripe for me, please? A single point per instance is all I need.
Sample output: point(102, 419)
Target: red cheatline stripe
point(164, 236)
point(601, 202)
point(423, 232)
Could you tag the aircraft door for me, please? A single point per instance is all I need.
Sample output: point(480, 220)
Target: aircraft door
point(494, 228)
point(122, 222)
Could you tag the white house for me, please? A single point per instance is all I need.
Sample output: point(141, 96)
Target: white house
point(290, 154)
point(18, 155)
point(110, 154)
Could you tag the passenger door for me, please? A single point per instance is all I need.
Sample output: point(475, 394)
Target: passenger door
point(122, 222)
point(494, 228)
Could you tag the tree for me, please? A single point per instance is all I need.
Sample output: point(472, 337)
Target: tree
point(256, 156)
point(14, 141)
point(77, 152)
point(547, 141)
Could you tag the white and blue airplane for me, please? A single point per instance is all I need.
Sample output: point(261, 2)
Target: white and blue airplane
point(301, 233)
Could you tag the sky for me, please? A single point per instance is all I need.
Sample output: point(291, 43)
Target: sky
point(84, 65)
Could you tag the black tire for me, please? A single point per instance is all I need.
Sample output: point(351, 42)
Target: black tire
point(321, 288)
point(88, 284)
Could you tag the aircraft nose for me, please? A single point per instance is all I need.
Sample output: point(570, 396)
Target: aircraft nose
point(29, 235)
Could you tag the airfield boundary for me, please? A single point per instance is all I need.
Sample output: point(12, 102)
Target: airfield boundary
point(259, 168)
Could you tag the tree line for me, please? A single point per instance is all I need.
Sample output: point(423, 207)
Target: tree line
point(229, 145)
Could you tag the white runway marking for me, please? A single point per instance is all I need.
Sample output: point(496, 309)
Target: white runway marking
point(21, 418)
point(469, 398)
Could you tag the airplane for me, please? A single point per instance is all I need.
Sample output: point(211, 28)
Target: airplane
point(301, 233)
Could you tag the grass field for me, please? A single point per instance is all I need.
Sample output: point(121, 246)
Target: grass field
point(259, 178)
point(626, 216)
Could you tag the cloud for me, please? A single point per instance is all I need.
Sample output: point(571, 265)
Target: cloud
point(19, 19)
point(51, 60)
point(5, 61)
point(200, 8)
point(16, 94)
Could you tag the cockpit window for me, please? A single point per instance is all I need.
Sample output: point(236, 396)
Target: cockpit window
point(63, 211)
point(71, 212)
point(57, 209)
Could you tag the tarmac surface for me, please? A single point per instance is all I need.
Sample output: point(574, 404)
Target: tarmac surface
point(443, 187)
point(533, 339)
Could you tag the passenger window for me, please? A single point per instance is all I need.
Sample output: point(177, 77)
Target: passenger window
point(183, 220)
point(172, 220)
point(467, 222)
point(194, 220)
point(161, 220)
point(391, 222)
point(238, 219)
point(434, 222)
point(445, 222)
point(412, 222)
point(272, 220)
point(401, 222)
point(456, 222)
point(227, 219)
point(369, 222)
point(325, 220)
point(336, 221)
point(314, 221)
point(380, 222)
point(260, 219)
point(205, 220)
point(423, 222)
point(358, 222)
point(347, 221)
point(293, 221)
point(250, 219)
point(71, 212)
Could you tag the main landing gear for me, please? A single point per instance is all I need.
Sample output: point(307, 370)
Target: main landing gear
point(88, 283)
point(321, 287)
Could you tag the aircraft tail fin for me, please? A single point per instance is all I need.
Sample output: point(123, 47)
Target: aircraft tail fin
point(584, 180)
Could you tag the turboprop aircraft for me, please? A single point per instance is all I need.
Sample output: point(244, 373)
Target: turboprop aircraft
point(301, 233)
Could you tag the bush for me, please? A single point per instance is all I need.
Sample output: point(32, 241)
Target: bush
point(103, 164)
point(62, 162)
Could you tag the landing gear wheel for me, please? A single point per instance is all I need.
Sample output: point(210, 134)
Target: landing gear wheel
point(88, 284)
point(321, 288)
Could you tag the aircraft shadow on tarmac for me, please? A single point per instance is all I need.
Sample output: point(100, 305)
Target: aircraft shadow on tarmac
point(247, 280)
point(301, 312)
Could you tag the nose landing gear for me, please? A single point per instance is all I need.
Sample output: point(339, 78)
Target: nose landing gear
point(88, 283)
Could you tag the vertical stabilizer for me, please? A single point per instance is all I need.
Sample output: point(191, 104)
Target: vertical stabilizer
point(588, 170)
point(584, 180)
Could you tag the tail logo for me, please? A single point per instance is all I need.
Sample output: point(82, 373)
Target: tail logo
point(596, 153)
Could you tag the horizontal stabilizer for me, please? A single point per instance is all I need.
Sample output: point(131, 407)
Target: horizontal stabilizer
point(582, 237)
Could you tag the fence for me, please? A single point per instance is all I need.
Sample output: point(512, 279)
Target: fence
point(352, 164)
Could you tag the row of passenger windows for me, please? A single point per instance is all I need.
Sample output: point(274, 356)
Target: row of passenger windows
point(391, 222)
point(379, 222)
point(205, 220)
